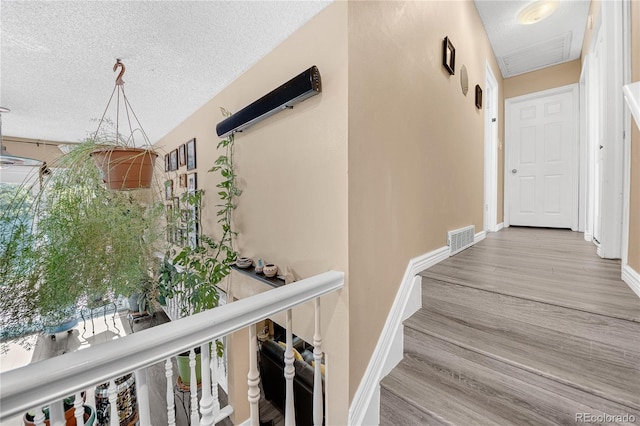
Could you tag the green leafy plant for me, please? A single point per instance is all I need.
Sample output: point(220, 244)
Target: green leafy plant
point(73, 240)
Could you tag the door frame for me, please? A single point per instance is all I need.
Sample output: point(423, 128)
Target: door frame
point(491, 153)
point(574, 89)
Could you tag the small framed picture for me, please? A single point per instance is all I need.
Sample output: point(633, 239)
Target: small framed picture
point(173, 160)
point(166, 163)
point(448, 56)
point(192, 182)
point(168, 189)
point(193, 227)
point(184, 216)
point(170, 234)
point(478, 96)
point(183, 180)
point(182, 155)
point(176, 205)
point(191, 154)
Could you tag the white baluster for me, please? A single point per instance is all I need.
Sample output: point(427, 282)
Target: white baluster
point(171, 408)
point(195, 420)
point(113, 401)
point(289, 373)
point(206, 401)
point(78, 405)
point(253, 378)
point(56, 413)
point(317, 373)
point(142, 395)
point(213, 367)
point(39, 416)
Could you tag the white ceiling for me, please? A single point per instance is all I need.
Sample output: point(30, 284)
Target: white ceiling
point(523, 48)
point(57, 57)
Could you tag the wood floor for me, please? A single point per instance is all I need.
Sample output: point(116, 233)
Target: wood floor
point(529, 326)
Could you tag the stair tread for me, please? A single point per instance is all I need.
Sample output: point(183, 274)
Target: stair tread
point(623, 335)
point(580, 363)
point(453, 385)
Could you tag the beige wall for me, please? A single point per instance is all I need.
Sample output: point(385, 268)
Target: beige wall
point(293, 171)
point(30, 148)
point(415, 148)
point(546, 78)
point(634, 207)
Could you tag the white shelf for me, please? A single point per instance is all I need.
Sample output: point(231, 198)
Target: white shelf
point(632, 95)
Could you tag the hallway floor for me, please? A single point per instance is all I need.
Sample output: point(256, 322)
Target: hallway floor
point(547, 265)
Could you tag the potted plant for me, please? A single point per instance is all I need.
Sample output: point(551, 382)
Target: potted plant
point(202, 265)
point(73, 238)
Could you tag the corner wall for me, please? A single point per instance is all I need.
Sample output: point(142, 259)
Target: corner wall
point(416, 148)
point(292, 168)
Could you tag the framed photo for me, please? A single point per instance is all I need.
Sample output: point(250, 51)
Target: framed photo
point(448, 56)
point(173, 160)
point(169, 210)
point(193, 227)
point(184, 216)
point(166, 163)
point(170, 234)
point(182, 155)
point(478, 97)
point(183, 180)
point(176, 205)
point(192, 182)
point(168, 189)
point(191, 154)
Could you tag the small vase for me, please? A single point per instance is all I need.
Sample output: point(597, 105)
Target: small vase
point(270, 270)
point(259, 266)
point(244, 262)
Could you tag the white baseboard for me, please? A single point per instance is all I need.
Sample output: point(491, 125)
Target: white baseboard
point(365, 407)
point(588, 236)
point(499, 226)
point(632, 278)
point(479, 236)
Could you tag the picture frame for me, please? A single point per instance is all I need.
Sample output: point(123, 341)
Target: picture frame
point(478, 96)
point(166, 163)
point(448, 55)
point(182, 155)
point(170, 234)
point(176, 205)
point(182, 180)
point(192, 181)
point(193, 228)
point(191, 154)
point(173, 160)
point(168, 189)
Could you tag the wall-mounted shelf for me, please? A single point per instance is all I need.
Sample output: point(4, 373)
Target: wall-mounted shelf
point(276, 281)
point(632, 95)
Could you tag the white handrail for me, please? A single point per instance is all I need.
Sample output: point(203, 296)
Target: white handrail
point(53, 379)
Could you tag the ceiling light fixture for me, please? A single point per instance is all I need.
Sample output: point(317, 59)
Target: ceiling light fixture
point(537, 11)
point(7, 159)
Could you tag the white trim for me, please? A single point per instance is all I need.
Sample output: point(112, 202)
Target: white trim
point(479, 236)
point(632, 278)
point(582, 149)
point(499, 226)
point(626, 126)
point(364, 409)
point(574, 89)
point(588, 236)
point(491, 151)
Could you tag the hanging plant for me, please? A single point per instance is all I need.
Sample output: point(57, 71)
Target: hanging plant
point(123, 166)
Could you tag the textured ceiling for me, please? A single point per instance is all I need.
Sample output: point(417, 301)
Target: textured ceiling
point(523, 48)
point(57, 57)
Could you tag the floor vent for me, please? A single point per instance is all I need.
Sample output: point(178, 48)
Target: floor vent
point(460, 239)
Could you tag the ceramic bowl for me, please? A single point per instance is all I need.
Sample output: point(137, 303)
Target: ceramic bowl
point(270, 270)
point(244, 262)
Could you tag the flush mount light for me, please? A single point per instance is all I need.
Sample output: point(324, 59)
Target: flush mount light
point(537, 11)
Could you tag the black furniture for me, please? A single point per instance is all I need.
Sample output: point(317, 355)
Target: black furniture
point(274, 384)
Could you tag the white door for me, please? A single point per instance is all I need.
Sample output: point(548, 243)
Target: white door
point(542, 159)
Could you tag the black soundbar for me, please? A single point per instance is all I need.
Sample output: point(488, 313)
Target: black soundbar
point(299, 88)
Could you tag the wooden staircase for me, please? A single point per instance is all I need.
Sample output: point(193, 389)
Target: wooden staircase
point(477, 356)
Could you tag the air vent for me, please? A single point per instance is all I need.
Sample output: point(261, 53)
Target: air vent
point(460, 239)
point(536, 56)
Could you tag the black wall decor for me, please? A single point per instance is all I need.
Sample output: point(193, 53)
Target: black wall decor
point(448, 56)
point(478, 97)
point(299, 88)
